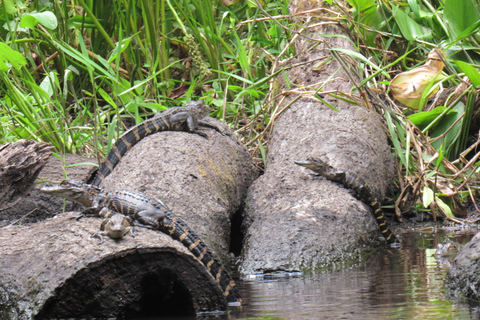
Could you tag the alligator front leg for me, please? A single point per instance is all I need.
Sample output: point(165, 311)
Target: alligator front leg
point(88, 212)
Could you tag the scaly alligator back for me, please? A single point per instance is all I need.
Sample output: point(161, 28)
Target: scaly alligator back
point(180, 231)
point(361, 188)
point(173, 119)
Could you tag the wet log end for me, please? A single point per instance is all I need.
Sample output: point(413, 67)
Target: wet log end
point(20, 164)
point(55, 269)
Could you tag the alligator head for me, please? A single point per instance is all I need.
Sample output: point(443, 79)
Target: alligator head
point(314, 164)
point(74, 190)
point(199, 108)
point(117, 225)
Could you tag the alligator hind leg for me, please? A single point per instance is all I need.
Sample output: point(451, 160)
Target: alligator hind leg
point(149, 219)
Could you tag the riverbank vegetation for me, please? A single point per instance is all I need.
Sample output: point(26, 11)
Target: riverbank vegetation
point(78, 73)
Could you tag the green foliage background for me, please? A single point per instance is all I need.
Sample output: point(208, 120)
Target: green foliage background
point(73, 71)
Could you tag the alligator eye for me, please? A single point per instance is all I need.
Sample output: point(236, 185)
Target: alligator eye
point(64, 183)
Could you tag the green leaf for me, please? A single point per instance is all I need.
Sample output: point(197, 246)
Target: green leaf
point(107, 98)
point(427, 197)
point(46, 84)
point(79, 22)
point(262, 152)
point(440, 156)
point(46, 19)
point(446, 209)
point(9, 6)
point(415, 8)
point(422, 119)
point(361, 5)
point(82, 164)
point(460, 14)
point(445, 124)
point(395, 139)
point(471, 30)
point(11, 56)
point(119, 48)
point(409, 28)
point(470, 71)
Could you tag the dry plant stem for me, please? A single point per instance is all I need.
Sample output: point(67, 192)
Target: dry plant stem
point(53, 56)
point(303, 63)
point(270, 124)
point(288, 16)
point(467, 151)
point(474, 219)
point(433, 210)
point(21, 218)
point(416, 145)
point(269, 99)
point(431, 151)
point(260, 111)
point(456, 220)
point(471, 197)
point(449, 128)
point(468, 165)
point(377, 49)
point(324, 23)
point(466, 179)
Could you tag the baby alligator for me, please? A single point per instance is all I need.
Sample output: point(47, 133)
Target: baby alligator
point(151, 213)
point(363, 191)
point(186, 118)
point(115, 225)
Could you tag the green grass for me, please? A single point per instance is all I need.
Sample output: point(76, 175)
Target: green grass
point(86, 68)
point(73, 74)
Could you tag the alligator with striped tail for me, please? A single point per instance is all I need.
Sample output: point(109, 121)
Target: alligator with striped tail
point(359, 186)
point(187, 118)
point(148, 212)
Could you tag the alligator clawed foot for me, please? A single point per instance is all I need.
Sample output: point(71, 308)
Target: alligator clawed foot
point(79, 216)
point(201, 134)
point(99, 236)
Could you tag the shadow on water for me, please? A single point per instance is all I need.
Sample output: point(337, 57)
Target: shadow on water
point(389, 284)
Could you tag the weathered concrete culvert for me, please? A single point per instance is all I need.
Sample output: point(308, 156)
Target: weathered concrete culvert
point(292, 220)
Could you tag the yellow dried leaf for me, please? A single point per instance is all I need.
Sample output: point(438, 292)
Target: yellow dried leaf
point(409, 86)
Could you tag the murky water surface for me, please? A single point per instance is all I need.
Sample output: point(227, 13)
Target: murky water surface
point(405, 283)
point(389, 284)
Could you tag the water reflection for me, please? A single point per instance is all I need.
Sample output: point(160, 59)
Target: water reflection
point(389, 284)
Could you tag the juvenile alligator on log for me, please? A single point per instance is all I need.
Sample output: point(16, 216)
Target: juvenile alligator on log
point(187, 118)
point(148, 212)
point(114, 225)
point(361, 188)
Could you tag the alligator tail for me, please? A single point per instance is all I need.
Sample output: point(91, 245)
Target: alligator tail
point(125, 143)
point(382, 223)
point(361, 188)
point(179, 230)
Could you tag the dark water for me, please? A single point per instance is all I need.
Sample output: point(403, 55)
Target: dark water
point(389, 284)
point(405, 283)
